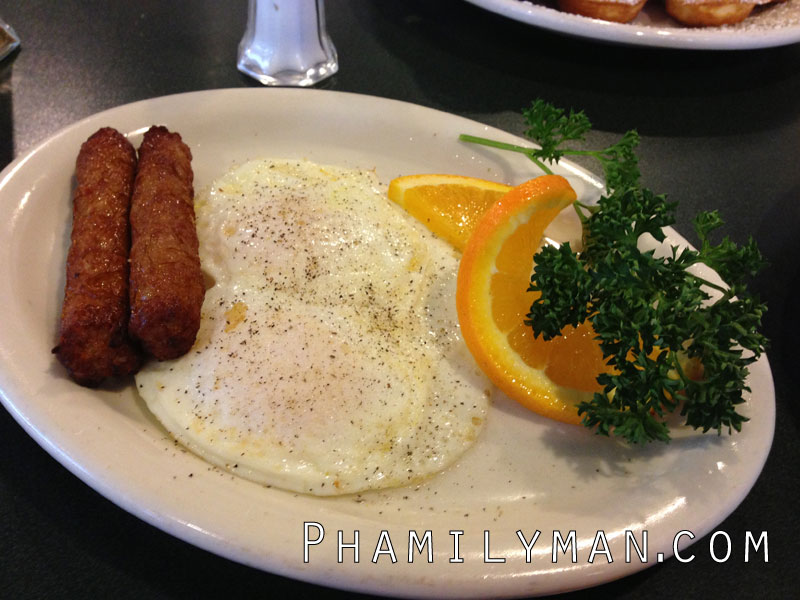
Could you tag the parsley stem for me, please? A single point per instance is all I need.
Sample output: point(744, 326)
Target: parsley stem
point(706, 282)
point(594, 153)
point(674, 359)
point(504, 146)
point(580, 207)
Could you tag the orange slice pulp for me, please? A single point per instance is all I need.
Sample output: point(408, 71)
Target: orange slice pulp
point(548, 377)
point(449, 205)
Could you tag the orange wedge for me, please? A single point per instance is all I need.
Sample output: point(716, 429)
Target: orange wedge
point(448, 205)
point(550, 377)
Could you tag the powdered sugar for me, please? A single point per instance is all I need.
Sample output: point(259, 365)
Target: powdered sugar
point(766, 17)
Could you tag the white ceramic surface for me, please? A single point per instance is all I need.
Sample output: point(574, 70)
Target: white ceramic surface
point(524, 473)
point(775, 25)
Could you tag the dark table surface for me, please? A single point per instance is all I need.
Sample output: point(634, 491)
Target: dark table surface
point(719, 130)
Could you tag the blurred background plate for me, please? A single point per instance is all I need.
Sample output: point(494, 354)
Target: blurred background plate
point(768, 26)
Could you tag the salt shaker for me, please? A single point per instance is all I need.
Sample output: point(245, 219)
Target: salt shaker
point(8, 39)
point(286, 43)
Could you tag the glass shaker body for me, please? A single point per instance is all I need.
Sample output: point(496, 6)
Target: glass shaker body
point(286, 43)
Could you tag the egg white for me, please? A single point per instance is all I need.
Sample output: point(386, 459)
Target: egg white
point(329, 359)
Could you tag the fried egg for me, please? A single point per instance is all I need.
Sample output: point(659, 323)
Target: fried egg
point(329, 359)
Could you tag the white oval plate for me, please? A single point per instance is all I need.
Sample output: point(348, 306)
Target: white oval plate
point(774, 25)
point(524, 473)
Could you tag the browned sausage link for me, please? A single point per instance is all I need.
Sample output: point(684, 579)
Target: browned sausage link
point(93, 342)
point(166, 282)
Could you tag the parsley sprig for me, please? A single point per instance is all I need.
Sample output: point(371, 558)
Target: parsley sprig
point(550, 127)
point(673, 340)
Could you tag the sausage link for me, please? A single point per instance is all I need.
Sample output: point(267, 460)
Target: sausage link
point(93, 340)
point(166, 282)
